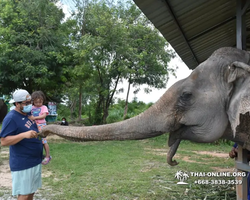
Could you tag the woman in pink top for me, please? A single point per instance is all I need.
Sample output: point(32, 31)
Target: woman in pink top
point(39, 113)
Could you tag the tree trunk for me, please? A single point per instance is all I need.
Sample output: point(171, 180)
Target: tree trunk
point(98, 116)
point(80, 103)
point(108, 102)
point(126, 103)
point(105, 115)
point(72, 108)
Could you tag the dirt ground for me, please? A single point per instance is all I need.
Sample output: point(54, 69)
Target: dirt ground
point(5, 175)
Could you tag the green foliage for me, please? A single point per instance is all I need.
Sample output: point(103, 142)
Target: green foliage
point(31, 46)
point(224, 141)
point(115, 115)
point(82, 59)
point(63, 111)
point(113, 42)
point(116, 111)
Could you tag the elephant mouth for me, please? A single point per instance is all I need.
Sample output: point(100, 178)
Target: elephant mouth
point(184, 132)
point(176, 134)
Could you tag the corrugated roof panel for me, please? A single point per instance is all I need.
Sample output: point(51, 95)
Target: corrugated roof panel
point(223, 34)
point(194, 28)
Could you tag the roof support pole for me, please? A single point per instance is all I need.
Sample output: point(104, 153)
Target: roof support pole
point(241, 163)
point(242, 6)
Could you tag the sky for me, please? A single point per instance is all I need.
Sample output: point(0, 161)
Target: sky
point(182, 72)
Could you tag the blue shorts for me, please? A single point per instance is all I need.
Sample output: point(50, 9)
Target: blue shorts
point(44, 141)
point(26, 181)
point(40, 126)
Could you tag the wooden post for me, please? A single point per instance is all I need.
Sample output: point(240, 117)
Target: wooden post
point(242, 165)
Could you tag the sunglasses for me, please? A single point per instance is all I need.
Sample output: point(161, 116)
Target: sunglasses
point(26, 103)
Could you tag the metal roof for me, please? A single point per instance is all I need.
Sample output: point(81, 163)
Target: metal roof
point(194, 28)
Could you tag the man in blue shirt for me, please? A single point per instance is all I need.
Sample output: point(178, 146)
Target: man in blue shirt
point(20, 134)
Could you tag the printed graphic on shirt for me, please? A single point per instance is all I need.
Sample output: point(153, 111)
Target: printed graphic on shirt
point(29, 123)
point(36, 111)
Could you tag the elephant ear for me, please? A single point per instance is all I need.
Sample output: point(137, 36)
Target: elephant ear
point(239, 79)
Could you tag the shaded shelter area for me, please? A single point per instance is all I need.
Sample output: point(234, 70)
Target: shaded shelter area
point(195, 29)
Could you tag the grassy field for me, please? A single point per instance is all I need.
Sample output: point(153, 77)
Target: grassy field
point(122, 170)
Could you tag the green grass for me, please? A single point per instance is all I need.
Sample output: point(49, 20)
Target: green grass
point(131, 170)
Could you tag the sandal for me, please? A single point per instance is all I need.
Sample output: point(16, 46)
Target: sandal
point(46, 160)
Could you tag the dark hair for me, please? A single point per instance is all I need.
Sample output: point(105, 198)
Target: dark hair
point(38, 95)
point(64, 118)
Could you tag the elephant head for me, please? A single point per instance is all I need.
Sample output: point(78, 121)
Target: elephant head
point(202, 108)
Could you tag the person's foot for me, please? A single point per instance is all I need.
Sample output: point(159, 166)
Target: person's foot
point(46, 160)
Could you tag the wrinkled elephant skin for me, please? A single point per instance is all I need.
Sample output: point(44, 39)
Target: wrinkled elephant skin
point(3, 110)
point(203, 107)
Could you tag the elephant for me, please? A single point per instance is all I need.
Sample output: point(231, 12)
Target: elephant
point(3, 110)
point(211, 103)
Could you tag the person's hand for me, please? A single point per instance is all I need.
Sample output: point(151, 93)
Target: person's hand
point(32, 118)
point(233, 153)
point(30, 134)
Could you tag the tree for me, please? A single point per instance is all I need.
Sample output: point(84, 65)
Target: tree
point(32, 46)
point(148, 55)
point(115, 42)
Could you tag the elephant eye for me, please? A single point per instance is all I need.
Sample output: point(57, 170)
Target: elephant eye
point(186, 96)
point(184, 101)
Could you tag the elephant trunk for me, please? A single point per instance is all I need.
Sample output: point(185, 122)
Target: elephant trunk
point(97, 133)
point(172, 152)
point(153, 122)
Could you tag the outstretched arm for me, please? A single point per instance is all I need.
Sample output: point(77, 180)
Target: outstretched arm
point(13, 139)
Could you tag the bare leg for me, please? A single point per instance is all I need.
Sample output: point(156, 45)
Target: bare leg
point(46, 147)
point(25, 197)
